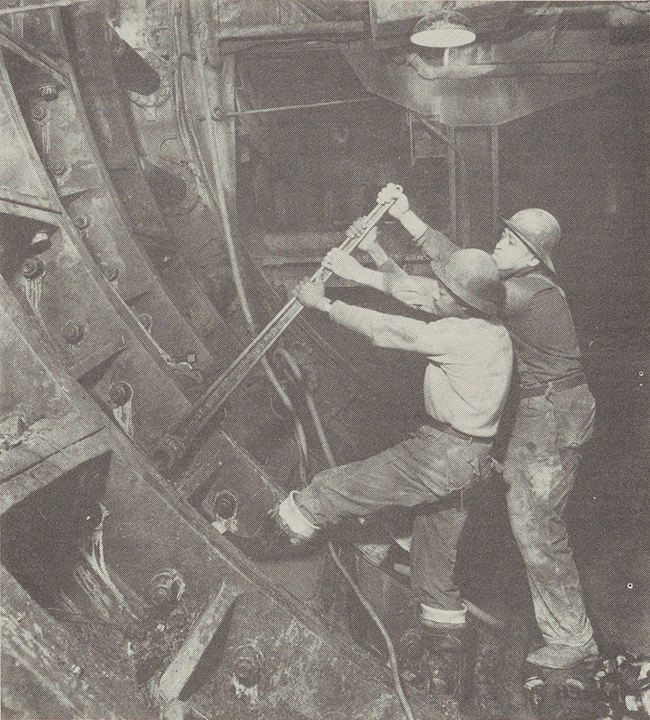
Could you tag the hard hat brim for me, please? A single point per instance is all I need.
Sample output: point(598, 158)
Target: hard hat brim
point(469, 298)
point(543, 257)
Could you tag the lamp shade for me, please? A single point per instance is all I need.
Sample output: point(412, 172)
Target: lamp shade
point(443, 29)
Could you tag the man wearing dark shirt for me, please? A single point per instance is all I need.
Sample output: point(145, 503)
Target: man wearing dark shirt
point(554, 418)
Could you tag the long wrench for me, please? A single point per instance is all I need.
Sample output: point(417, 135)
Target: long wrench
point(171, 447)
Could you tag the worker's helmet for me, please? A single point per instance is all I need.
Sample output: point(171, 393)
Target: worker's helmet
point(539, 231)
point(472, 276)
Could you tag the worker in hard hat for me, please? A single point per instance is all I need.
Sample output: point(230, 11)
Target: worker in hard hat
point(554, 418)
point(466, 384)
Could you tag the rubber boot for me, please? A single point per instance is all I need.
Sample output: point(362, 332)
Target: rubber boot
point(451, 652)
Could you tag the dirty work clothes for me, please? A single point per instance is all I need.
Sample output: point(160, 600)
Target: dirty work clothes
point(536, 314)
point(544, 451)
point(539, 321)
point(425, 468)
point(540, 467)
point(470, 362)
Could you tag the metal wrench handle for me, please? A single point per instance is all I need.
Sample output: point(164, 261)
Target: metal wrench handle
point(171, 447)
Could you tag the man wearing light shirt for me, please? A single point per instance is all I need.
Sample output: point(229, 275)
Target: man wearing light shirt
point(554, 419)
point(466, 382)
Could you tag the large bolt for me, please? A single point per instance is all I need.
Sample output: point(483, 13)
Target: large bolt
point(166, 587)
point(56, 167)
point(82, 222)
point(32, 268)
point(248, 666)
point(111, 272)
point(120, 393)
point(39, 113)
point(48, 92)
point(72, 333)
point(225, 504)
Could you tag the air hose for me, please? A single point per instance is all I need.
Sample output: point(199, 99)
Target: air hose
point(221, 199)
point(327, 451)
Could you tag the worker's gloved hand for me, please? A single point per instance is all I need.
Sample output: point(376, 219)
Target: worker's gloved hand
point(357, 228)
point(343, 265)
point(401, 204)
point(309, 292)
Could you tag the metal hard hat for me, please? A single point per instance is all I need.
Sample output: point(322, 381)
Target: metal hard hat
point(473, 276)
point(538, 230)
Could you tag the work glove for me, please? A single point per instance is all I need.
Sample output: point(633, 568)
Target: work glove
point(401, 204)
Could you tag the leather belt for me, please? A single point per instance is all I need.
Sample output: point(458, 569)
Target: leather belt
point(553, 386)
point(450, 430)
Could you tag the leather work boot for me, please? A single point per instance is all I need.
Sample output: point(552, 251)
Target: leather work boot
point(451, 657)
point(272, 541)
point(563, 656)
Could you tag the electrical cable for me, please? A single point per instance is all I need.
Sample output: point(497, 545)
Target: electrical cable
point(217, 190)
point(327, 450)
point(216, 160)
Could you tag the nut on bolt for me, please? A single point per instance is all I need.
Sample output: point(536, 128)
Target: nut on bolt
point(32, 268)
point(248, 665)
point(72, 333)
point(82, 222)
point(166, 587)
point(48, 92)
point(39, 113)
point(120, 393)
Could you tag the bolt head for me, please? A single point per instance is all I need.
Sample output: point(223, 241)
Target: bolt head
point(120, 393)
point(146, 321)
point(32, 268)
point(111, 272)
point(73, 334)
point(225, 505)
point(39, 113)
point(48, 92)
point(82, 222)
point(56, 168)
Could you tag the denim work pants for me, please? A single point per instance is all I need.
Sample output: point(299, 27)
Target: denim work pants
point(540, 467)
point(426, 468)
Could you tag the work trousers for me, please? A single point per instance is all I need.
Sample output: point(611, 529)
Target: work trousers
point(540, 467)
point(427, 468)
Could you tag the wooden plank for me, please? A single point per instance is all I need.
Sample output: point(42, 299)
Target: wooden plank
point(184, 663)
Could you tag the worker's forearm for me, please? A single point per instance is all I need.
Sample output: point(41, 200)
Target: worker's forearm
point(377, 253)
point(413, 224)
point(371, 278)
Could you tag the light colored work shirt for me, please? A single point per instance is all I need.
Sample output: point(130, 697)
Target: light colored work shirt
point(470, 362)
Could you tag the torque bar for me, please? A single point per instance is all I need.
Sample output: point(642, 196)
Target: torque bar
point(171, 447)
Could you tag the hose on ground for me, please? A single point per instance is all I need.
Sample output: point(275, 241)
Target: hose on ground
point(199, 42)
point(329, 455)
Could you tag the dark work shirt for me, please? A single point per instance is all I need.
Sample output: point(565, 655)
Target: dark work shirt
point(539, 322)
point(537, 317)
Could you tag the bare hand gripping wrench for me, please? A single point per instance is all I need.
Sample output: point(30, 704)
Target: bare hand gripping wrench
point(171, 448)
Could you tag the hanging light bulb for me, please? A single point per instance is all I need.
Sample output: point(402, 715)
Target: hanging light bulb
point(443, 29)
